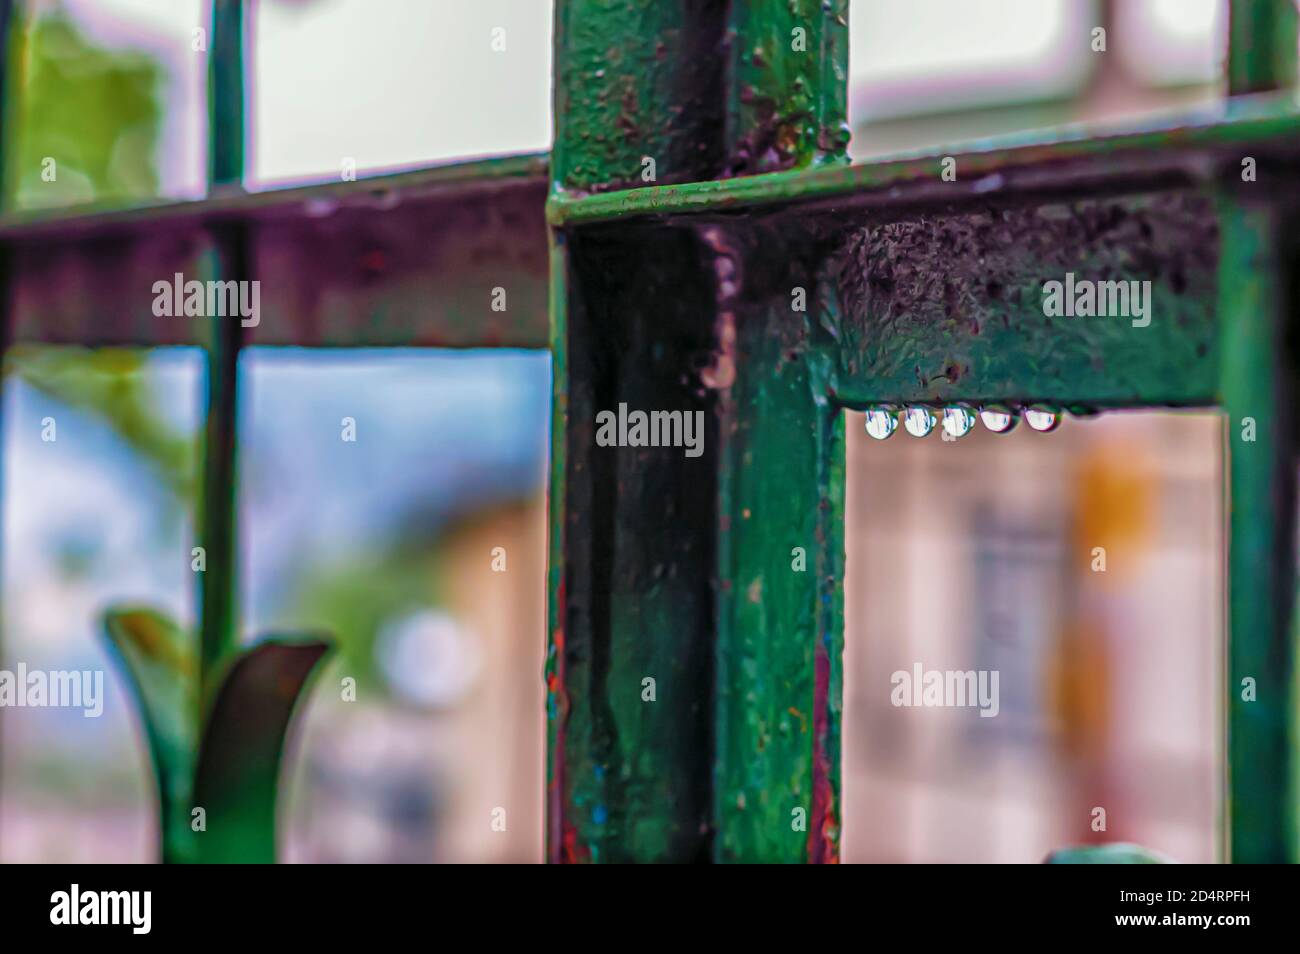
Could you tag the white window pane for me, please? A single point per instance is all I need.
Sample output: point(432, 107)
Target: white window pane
point(396, 83)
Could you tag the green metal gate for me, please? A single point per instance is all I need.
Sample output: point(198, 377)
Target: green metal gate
point(711, 250)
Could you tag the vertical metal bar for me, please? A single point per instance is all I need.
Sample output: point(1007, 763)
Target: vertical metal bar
point(780, 569)
point(705, 90)
point(787, 86)
point(1261, 45)
point(636, 81)
point(1258, 376)
point(693, 673)
point(1259, 398)
point(226, 95)
point(219, 625)
point(557, 699)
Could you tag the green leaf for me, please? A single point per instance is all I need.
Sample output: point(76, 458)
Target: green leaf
point(158, 659)
point(239, 761)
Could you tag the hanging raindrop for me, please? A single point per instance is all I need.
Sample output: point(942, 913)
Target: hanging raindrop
point(1042, 418)
point(919, 421)
point(958, 421)
point(998, 418)
point(881, 421)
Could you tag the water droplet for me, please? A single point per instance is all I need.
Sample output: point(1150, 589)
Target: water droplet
point(998, 419)
point(881, 421)
point(958, 421)
point(1042, 418)
point(919, 421)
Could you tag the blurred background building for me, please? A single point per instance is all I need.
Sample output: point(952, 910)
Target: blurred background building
point(967, 555)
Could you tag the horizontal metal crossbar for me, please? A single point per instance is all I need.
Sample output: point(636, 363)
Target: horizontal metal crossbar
point(412, 258)
point(924, 290)
point(408, 259)
point(1071, 160)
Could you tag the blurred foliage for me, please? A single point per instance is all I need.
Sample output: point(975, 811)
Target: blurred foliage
point(356, 597)
point(112, 385)
point(95, 112)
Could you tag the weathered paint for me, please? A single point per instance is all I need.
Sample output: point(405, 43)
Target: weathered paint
point(1186, 149)
point(705, 88)
point(779, 570)
point(637, 79)
point(950, 307)
point(98, 289)
point(697, 589)
point(787, 84)
point(630, 777)
point(476, 180)
point(559, 847)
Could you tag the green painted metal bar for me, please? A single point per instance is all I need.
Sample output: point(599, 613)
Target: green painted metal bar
point(557, 555)
point(907, 320)
point(1258, 305)
point(1062, 162)
point(689, 720)
point(787, 84)
point(478, 178)
point(219, 624)
point(226, 95)
point(1261, 45)
point(637, 80)
point(409, 270)
point(630, 759)
point(779, 566)
point(408, 259)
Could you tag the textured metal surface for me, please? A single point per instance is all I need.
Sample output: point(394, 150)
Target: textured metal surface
point(672, 568)
point(787, 84)
point(1194, 147)
point(407, 270)
point(638, 79)
point(705, 88)
point(950, 307)
point(629, 778)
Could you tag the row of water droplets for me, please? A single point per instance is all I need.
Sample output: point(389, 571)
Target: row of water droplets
point(958, 420)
